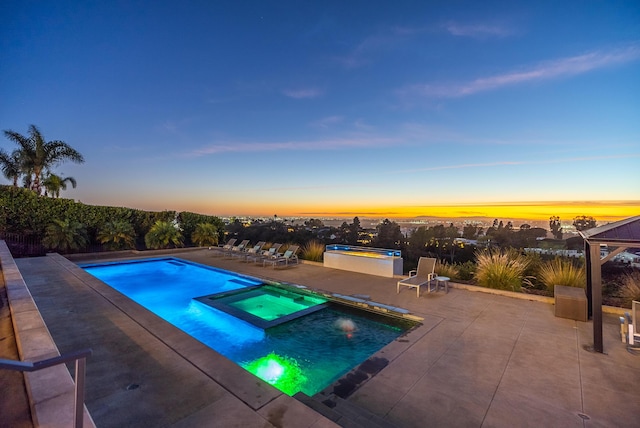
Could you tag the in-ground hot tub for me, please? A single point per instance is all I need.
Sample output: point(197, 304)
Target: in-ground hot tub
point(374, 261)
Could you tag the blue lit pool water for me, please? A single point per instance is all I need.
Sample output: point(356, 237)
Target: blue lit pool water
point(306, 354)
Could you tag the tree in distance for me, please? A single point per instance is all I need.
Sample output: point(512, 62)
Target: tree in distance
point(583, 222)
point(54, 183)
point(36, 156)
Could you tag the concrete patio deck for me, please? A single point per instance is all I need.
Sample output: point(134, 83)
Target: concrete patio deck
point(477, 360)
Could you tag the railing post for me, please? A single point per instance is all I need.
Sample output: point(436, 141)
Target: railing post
point(79, 396)
point(80, 357)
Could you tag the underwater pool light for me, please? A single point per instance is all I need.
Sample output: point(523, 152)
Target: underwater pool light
point(281, 372)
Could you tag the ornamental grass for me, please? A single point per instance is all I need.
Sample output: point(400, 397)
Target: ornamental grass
point(630, 289)
point(446, 269)
point(313, 251)
point(562, 272)
point(503, 270)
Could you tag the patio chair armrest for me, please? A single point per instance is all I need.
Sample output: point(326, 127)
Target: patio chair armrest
point(413, 272)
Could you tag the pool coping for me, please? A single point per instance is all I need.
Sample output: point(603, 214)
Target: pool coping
point(253, 391)
point(146, 319)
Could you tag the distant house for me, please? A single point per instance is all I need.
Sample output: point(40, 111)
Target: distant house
point(466, 241)
point(564, 253)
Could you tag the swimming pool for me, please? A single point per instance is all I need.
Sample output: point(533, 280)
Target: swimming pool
point(305, 354)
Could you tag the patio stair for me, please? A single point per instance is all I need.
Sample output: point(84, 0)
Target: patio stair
point(343, 412)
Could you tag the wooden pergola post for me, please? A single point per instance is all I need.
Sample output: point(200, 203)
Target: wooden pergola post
point(589, 289)
point(595, 276)
point(622, 234)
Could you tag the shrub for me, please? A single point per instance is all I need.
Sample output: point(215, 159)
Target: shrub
point(501, 270)
point(25, 213)
point(534, 262)
point(466, 271)
point(630, 289)
point(163, 234)
point(117, 235)
point(205, 235)
point(284, 247)
point(65, 236)
point(313, 251)
point(446, 269)
point(562, 272)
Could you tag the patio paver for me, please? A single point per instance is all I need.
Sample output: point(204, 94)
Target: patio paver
point(478, 359)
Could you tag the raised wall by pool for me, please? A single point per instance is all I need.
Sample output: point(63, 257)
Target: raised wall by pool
point(373, 261)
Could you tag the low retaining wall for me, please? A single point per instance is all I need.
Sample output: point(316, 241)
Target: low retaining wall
point(544, 299)
point(52, 390)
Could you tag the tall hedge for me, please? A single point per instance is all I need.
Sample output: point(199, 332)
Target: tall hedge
point(23, 212)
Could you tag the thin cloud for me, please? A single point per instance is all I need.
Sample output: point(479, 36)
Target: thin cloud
point(383, 41)
point(329, 144)
point(289, 189)
point(352, 213)
point(306, 93)
point(175, 126)
point(326, 122)
point(477, 30)
point(353, 60)
point(462, 166)
point(511, 163)
point(363, 126)
point(408, 31)
point(570, 66)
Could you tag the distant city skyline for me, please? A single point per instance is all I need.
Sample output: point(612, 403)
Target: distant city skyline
point(407, 109)
point(446, 215)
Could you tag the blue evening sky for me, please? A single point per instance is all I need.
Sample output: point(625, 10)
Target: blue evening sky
point(332, 107)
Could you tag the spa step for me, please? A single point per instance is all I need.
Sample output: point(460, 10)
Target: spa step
point(344, 413)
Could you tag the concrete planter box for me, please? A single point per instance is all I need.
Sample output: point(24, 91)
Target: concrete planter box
point(571, 303)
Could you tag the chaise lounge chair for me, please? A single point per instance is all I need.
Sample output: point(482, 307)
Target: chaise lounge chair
point(289, 257)
point(240, 248)
point(421, 276)
point(250, 252)
point(271, 253)
point(220, 249)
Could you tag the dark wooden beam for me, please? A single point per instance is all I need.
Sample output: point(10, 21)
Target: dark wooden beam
point(596, 295)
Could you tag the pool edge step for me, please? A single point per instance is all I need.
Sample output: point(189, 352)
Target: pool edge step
point(343, 412)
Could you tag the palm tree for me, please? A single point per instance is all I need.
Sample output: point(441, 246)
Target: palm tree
point(54, 183)
point(205, 234)
point(39, 155)
point(117, 235)
point(163, 234)
point(65, 235)
point(11, 165)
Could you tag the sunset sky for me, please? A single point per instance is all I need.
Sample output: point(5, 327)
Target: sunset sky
point(393, 109)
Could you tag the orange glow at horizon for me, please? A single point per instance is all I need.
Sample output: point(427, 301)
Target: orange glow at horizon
point(601, 211)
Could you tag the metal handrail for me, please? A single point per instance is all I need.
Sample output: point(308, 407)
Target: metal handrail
point(80, 357)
